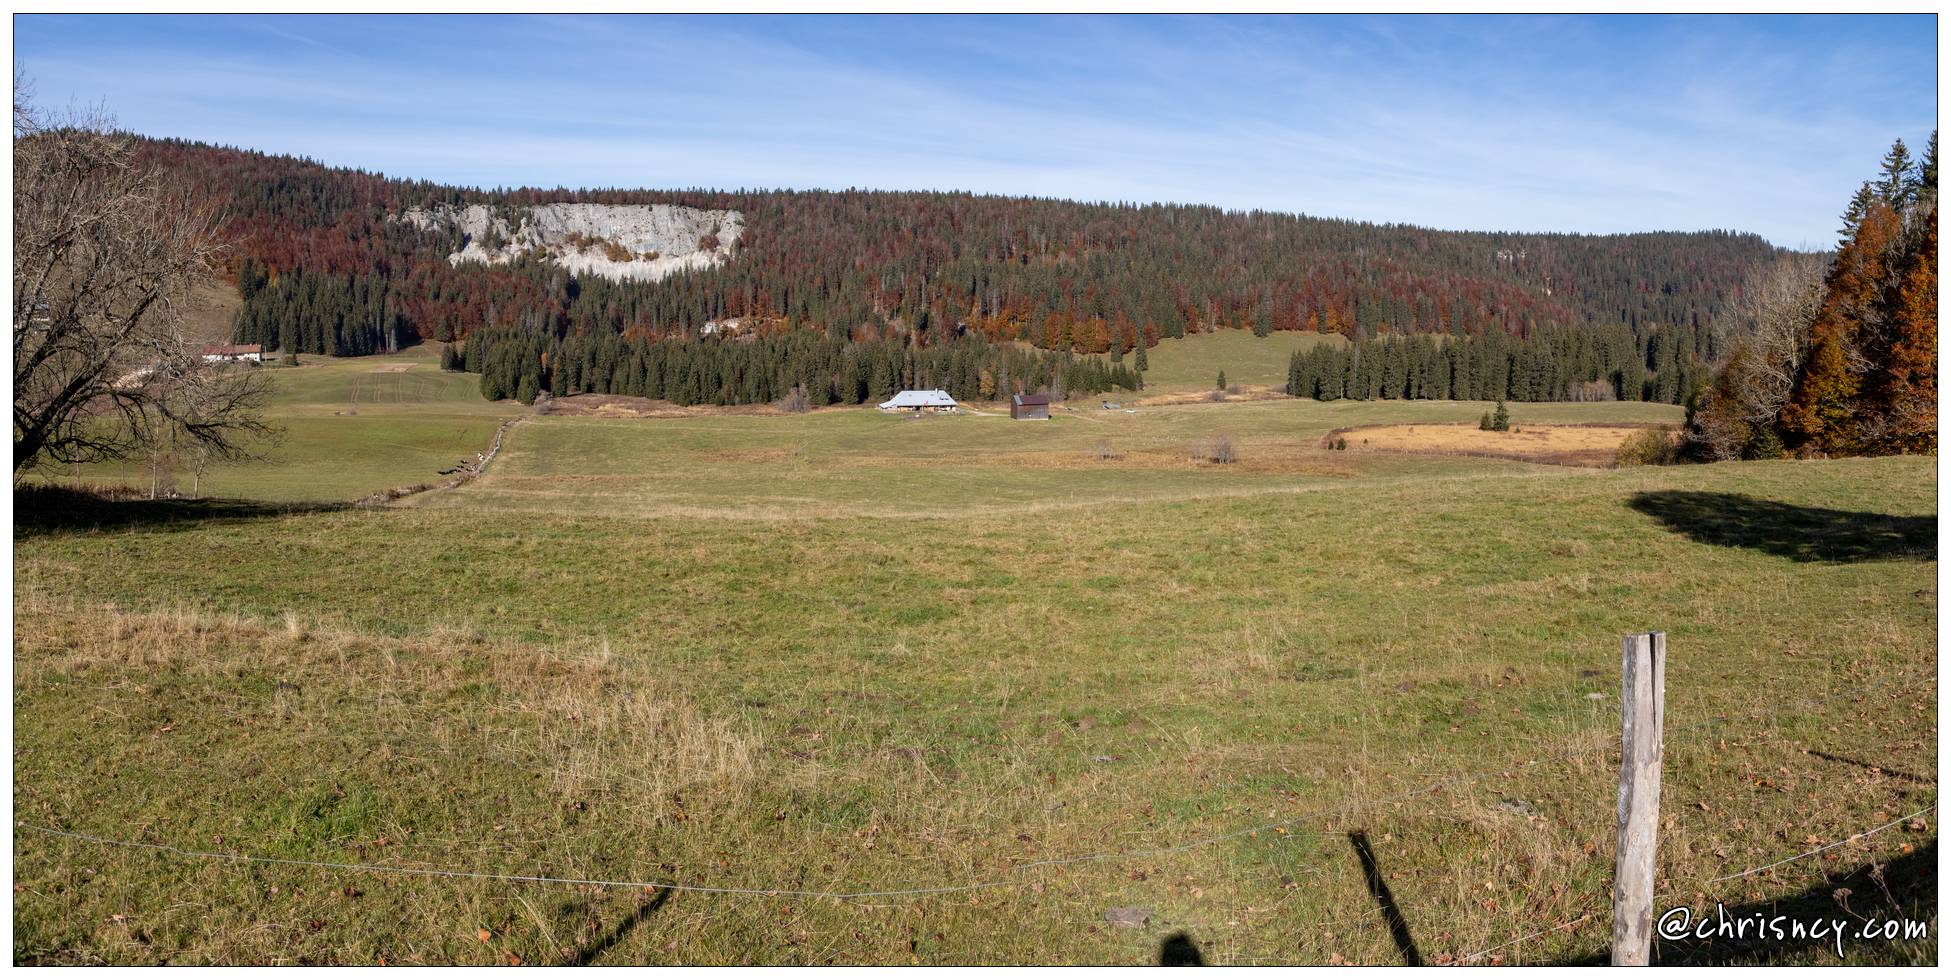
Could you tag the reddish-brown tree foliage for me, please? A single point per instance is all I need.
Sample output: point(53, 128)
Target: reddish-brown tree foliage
point(1869, 384)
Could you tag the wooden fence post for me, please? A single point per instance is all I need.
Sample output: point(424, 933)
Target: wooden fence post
point(1644, 709)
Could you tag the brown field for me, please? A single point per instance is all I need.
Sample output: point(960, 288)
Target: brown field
point(1564, 445)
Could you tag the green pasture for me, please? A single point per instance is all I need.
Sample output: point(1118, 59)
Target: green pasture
point(1066, 663)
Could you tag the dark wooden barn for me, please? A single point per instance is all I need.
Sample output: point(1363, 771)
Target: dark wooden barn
point(1029, 407)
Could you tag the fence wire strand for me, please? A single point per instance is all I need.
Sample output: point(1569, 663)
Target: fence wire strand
point(1873, 831)
point(1013, 875)
point(494, 876)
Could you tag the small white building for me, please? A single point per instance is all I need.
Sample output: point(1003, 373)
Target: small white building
point(234, 352)
point(920, 401)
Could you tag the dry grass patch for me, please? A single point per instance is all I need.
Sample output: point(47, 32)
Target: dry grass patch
point(1564, 445)
point(595, 725)
point(211, 312)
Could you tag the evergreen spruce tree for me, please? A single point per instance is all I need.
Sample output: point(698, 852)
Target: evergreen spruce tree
point(1905, 386)
point(1821, 415)
point(1898, 184)
point(1331, 379)
point(1927, 172)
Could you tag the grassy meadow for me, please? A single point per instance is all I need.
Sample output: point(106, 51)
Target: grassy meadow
point(854, 462)
point(843, 652)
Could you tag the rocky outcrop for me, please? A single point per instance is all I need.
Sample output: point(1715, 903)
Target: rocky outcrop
point(643, 242)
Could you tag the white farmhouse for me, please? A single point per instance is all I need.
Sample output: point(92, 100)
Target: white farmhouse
point(920, 401)
point(234, 352)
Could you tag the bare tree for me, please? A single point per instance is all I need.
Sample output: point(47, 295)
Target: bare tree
point(1772, 320)
point(1765, 338)
point(105, 253)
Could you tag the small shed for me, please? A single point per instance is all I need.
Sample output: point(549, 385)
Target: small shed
point(1029, 407)
point(917, 402)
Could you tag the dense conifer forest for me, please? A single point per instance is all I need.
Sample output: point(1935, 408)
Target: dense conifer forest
point(1663, 364)
point(324, 267)
point(812, 369)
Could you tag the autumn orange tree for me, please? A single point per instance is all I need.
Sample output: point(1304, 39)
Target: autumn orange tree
point(1908, 385)
point(1865, 366)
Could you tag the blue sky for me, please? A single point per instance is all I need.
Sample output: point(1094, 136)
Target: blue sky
point(1594, 124)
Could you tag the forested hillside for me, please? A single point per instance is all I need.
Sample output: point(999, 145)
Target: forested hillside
point(324, 266)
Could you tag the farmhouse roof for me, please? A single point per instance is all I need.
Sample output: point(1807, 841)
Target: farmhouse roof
point(1038, 399)
point(232, 350)
point(920, 399)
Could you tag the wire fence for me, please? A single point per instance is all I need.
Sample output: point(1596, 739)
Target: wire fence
point(1573, 923)
point(1285, 829)
point(1872, 832)
point(1598, 911)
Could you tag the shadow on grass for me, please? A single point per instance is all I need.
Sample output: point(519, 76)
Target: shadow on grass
point(1903, 889)
point(1178, 949)
point(1909, 777)
point(644, 911)
point(1384, 899)
point(1789, 530)
point(50, 509)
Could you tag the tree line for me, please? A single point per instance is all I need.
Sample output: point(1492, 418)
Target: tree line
point(521, 364)
point(1663, 364)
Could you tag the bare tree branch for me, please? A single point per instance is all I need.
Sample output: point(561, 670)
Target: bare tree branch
point(1765, 334)
point(105, 253)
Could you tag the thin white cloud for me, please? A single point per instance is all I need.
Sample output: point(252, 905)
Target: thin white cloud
point(1533, 124)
